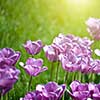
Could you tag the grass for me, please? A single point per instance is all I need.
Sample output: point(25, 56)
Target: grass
point(42, 19)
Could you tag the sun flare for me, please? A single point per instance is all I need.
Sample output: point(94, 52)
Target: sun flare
point(79, 2)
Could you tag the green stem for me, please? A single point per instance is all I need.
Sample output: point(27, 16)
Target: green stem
point(7, 97)
point(80, 76)
point(29, 85)
point(32, 56)
point(66, 77)
point(86, 78)
point(90, 77)
point(93, 77)
point(57, 71)
point(73, 76)
point(51, 73)
point(0, 96)
point(63, 97)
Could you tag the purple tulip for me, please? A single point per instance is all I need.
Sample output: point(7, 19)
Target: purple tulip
point(33, 47)
point(70, 62)
point(93, 25)
point(70, 42)
point(85, 65)
point(73, 52)
point(8, 56)
point(8, 76)
point(51, 53)
point(96, 92)
point(34, 66)
point(79, 91)
point(62, 43)
point(84, 91)
point(50, 91)
point(95, 66)
point(35, 95)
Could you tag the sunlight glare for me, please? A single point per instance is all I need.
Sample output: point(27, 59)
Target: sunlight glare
point(78, 2)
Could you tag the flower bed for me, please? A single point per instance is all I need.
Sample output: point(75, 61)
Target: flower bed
point(72, 54)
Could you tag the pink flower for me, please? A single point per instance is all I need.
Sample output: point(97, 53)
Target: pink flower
point(34, 66)
point(8, 56)
point(33, 47)
point(51, 53)
point(93, 25)
point(75, 54)
point(8, 76)
point(50, 91)
point(84, 91)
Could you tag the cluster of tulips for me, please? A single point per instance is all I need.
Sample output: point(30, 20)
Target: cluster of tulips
point(8, 72)
point(74, 54)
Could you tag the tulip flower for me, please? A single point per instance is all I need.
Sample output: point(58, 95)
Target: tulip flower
point(79, 91)
point(95, 66)
point(51, 53)
point(93, 27)
point(33, 47)
point(76, 51)
point(50, 91)
point(34, 66)
point(65, 43)
point(96, 92)
point(8, 56)
point(84, 91)
point(8, 76)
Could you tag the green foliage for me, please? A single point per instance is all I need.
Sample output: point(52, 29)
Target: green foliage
point(41, 19)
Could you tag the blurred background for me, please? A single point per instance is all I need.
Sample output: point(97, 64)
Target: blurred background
point(22, 20)
point(43, 19)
